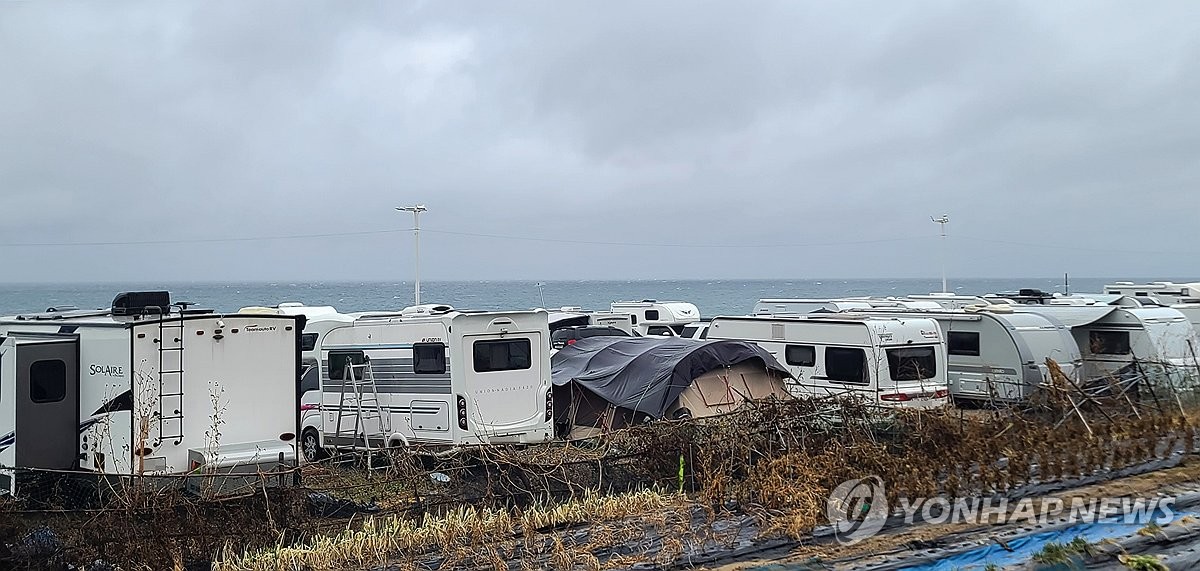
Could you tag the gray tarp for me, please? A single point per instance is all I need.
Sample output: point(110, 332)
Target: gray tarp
point(646, 374)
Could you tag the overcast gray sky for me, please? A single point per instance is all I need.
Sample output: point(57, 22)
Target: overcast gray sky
point(698, 139)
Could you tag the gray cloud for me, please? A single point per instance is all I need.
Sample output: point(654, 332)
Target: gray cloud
point(1059, 137)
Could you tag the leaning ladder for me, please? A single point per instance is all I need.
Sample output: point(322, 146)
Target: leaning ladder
point(170, 379)
point(360, 397)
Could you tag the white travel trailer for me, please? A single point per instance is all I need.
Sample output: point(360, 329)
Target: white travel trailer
point(1167, 293)
point(898, 361)
point(134, 390)
point(956, 301)
point(801, 306)
point(997, 355)
point(651, 317)
point(319, 320)
point(573, 316)
point(1111, 337)
point(432, 375)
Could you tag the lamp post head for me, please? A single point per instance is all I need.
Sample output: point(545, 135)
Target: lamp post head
point(414, 208)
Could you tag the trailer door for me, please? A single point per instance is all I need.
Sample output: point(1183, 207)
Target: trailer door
point(505, 377)
point(47, 404)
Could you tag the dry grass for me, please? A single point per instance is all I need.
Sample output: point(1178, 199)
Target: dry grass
point(466, 532)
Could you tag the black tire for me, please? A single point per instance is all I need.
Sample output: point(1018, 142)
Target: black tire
point(310, 445)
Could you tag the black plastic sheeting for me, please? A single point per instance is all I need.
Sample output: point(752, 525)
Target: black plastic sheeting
point(647, 374)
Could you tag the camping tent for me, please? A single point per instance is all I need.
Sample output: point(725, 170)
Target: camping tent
point(610, 382)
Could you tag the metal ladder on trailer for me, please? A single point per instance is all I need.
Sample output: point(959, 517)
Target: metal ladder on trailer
point(170, 379)
point(360, 397)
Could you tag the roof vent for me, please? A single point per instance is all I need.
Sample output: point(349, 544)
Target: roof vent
point(141, 302)
point(426, 309)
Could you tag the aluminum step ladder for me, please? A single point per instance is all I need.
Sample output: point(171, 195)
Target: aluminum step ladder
point(170, 379)
point(359, 397)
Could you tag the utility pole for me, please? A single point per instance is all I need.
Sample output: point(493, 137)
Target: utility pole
point(943, 221)
point(416, 210)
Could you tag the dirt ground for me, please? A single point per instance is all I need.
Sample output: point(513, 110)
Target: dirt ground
point(899, 541)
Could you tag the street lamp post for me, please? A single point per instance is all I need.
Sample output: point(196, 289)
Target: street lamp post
point(943, 221)
point(416, 210)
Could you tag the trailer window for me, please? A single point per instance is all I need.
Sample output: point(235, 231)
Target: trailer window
point(689, 331)
point(48, 381)
point(429, 358)
point(1109, 342)
point(659, 330)
point(310, 380)
point(502, 355)
point(846, 365)
point(912, 363)
point(308, 341)
point(651, 315)
point(800, 355)
point(338, 361)
point(963, 343)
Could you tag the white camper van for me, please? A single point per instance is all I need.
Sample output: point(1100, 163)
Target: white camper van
point(997, 355)
point(651, 317)
point(898, 361)
point(1109, 338)
point(433, 375)
point(133, 390)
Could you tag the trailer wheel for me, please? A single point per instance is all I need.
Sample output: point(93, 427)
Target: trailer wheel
point(310, 445)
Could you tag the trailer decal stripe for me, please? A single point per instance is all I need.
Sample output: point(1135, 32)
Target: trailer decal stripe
point(366, 347)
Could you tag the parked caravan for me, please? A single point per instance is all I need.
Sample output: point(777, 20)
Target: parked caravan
point(998, 355)
point(319, 320)
point(651, 317)
point(432, 375)
point(801, 306)
point(1110, 338)
point(697, 330)
point(898, 361)
point(575, 316)
point(1168, 293)
point(133, 390)
point(606, 383)
point(956, 301)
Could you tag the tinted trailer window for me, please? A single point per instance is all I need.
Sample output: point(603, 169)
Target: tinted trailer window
point(502, 355)
point(846, 365)
point(1109, 342)
point(912, 363)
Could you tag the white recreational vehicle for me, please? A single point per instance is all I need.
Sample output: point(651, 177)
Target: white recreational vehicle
point(1167, 293)
point(801, 306)
point(577, 316)
point(318, 321)
point(651, 317)
point(134, 390)
point(1111, 337)
point(433, 375)
point(898, 361)
point(995, 354)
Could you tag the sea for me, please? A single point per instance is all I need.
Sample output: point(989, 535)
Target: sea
point(713, 297)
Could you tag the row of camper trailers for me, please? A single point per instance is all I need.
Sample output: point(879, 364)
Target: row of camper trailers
point(152, 388)
point(998, 352)
point(135, 389)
